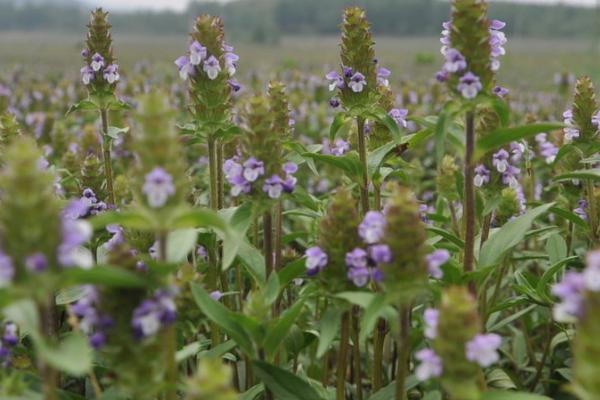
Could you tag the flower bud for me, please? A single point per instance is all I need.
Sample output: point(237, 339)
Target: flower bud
point(584, 108)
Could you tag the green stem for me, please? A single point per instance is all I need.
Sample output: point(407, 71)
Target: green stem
point(108, 173)
point(362, 153)
point(169, 335)
point(593, 209)
point(47, 329)
point(469, 197)
point(379, 341)
point(212, 170)
point(220, 177)
point(356, 352)
point(343, 357)
point(403, 352)
point(213, 267)
point(268, 241)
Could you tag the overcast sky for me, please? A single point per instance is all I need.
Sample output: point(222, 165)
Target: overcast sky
point(178, 5)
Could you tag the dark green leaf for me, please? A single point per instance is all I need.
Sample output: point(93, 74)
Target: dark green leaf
point(504, 136)
point(284, 384)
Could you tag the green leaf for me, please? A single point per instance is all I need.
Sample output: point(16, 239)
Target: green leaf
point(252, 393)
point(440, 130)
point(503, 136)
point(556, 248)
point(446, 235)
point(116, 104)
point(72, 355)
point(569, 216)
point(328, 328)
point(348, 163)
point(180, 243)
point(371, 314)
point(105, 275)
point(284, 384)
point(201, 217)
point(70, 295)
point(376, 157)
point(271, 291)
point(508, 395)
point(278, 331)
point(189, 350)
point(592, 174)
point(221, 316)
point(114, 132)
point(388, 392)
point(219, 349)
point(129, 219)
point(253, 260)
point(390, 123)
point(512, 317)
point(291, 271)
point(83, 105)
point(543, 285)
point(511, 234)
point(23, 313)
point(340, 120)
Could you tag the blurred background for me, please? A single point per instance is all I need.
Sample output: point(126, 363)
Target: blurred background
point(546, 37)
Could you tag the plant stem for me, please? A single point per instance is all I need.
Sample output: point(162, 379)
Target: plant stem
point(379, 341)
point(356, 351)
point(376, 196)
point(268, 241)
point(108, 174)
point(212, 170)
point(403, 352)
point(593, 213)
point(48, 330)
point(220, 177)
point(169, 335)
point(485, 229)
point(343, 357)
point(469, 198)
point(362, 153)
point(213, 265)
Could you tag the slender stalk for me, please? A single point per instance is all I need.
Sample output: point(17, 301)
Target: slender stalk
point(278, 248)
point(540, 366)
point(469, 197)
point(108, 174)
point(376, 196)
point(220, 177)
point(453, 218)
point(169, 335)
point(212, 170)
point(213, 265)
point(362, 153)
point(403, 352)
point(356, 352)
point(593, 207)
point(47, 327)
point(485, 229)
point(343, 358)
point(378, 343)
point(268, 241)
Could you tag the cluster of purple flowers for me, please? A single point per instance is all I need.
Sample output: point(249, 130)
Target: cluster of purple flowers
point(155, 313)
point(198, 59)
point(399, 115)
point(97, 67)
point(87, 205)
point(158, 187)
point(8, 340)
point(546, 148)
point(243, 176)
point(339, 148)
point(571, 288)
point(363, 263)
point(349, 78)
point(469, 84)
point(75, 233)
point(435, 260)
point(91, 321)
point(482, 349)
point(571, 132)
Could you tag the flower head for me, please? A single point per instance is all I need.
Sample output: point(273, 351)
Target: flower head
point(357, 82)
point(455, 61)
point(273, 186)
point(231, 60)
point(158, 187)
point(399, 115)
point(186, 68)
point(253, 169)
point(87, 75)
point(356, 258)
point(482, 175)
point(7, 270)
point(197, 53)
point(211, 67)
point(111, 73)
point(430, 364)
point(36, 262)
point(430, 317)
point(483, 349)
point(316, 260)
point(371, 228)
point(469, 85)
point(435, 260)
point(97, 62)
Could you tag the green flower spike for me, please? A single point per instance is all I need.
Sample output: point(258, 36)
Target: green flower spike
point(586, 350)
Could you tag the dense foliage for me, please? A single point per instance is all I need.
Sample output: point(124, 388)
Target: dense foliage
point(182, 236)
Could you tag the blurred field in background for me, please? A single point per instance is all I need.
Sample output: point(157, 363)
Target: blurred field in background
point(530, 63)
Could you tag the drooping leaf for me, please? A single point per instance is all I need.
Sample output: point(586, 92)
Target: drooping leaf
point(284, 384)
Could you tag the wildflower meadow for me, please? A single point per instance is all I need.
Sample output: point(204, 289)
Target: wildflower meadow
point(196, 233)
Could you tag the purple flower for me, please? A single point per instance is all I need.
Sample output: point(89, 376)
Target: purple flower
point(97, 62)
point(87, 75)
point(158, 186)
point(500, 91)
point(231, 60)
point(569, 290)
point(97, 339)
point(10, 335)
point(382, 76)
point(197, 53)
point(455, 61)
point(7, 270)
point(430, 317)
point(500, 160)
point(232, 168)
point(253, 169)
point(359, 276)
point(335, 80)
point(211, 67)
point(435, 260)
point(186, 68)
point(496, 24)
point(234, 85)
point(591, 274)
point(334, 102)
point(316, 260)
point(580, 211)
point(356, 258)
point(290, 167)
point(469, 85)
point(399, 115)
point(273, 186)
point(289, 183)
point(154, 313)
point(239, 185)
point(357, 82)
point(483, 349)
point(340, 147)
point(441, 76)
point(117, 238)
point(596, 120)
point(36, 262)
point(430, 364)
point(201, 253)
point(348, 72)
point(216, 295)
point(482, 175)
point(380, 253)
point(509, 177)
point(371, 229)
point(111, 73)
point(75, 232)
